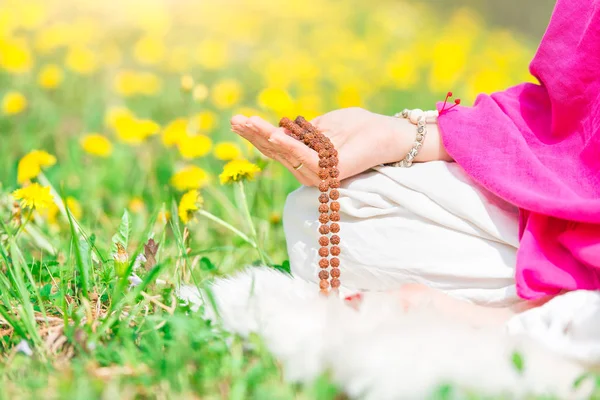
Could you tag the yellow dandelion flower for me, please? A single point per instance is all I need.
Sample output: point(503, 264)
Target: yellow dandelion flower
point(74, 207)
point(200, 92)
point(51, 213)
point(116, 115)
point(34, 196)
point(212, 54)
point(148, 83)
point(52, 37)
point(191, 177)
point(237, 170)
point(81, 60)
point(227, 151)
point(32, 163)
point(16, 56)
point(174, 132)
point(226, 93)
point(190, 202)
point(50, 76)
point(136, 205)
point(147, 127)
point(132, 130)
point(149, 50)
point(187, 83)
point(96, 144)
point(129, 83)
point(13, 103)
point(275, 99)
point(125, 83)
point(194, 146)
point(205, 121)
point(349, 96)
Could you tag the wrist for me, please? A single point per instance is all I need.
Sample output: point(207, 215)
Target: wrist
point(399, 135)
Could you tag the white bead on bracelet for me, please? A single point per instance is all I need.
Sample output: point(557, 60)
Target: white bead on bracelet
point(419, 118)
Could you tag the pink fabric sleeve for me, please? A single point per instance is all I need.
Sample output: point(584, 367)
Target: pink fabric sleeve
point(538, 147)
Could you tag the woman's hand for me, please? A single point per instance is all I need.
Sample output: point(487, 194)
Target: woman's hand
point(363, 140)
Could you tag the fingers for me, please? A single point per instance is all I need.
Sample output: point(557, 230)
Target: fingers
point(294, 150)
point(275, 144)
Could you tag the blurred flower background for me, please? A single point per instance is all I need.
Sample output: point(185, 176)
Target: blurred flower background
point(132, 94)
point(124, 105)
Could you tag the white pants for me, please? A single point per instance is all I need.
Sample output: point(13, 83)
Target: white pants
point(427, 224)
point(433, 225)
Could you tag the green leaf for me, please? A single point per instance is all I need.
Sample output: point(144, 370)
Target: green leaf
point(517, 360)
point(581, 379)
point(82, 255)
point(284, 267)
point(123, 233)
point(206, 264)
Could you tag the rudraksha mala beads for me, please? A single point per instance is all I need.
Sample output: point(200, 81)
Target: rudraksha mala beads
point(329, 217)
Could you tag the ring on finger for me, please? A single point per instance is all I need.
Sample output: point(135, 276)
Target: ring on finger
point(299, 166)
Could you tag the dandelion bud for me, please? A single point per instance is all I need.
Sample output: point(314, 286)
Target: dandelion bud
point(200, 92)
point(187, 83)
point(121, 260)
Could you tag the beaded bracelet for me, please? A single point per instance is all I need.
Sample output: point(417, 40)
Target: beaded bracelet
point(419, 118)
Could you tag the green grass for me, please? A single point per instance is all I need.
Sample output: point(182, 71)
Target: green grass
point(92, 335)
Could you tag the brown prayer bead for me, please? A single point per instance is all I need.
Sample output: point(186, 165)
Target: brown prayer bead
point(323, 275)
point(300, 120)
point(323, 263)
point(323, 251)
point(329, 173)
point(324, 218)
point(323, 153)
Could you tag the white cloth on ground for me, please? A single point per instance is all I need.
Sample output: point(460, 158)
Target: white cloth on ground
point(428, 224)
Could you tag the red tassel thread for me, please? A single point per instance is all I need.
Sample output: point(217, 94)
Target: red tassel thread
point(444, 109)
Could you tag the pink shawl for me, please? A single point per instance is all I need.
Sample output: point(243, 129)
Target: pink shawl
point(538, 147)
